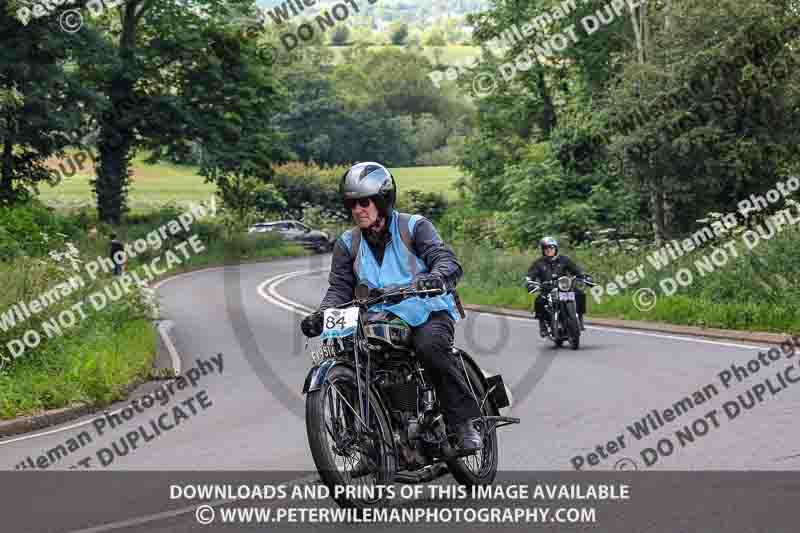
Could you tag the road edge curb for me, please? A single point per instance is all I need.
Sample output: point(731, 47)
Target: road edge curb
point(53, 417)
point(660, 327)
point(28, 424)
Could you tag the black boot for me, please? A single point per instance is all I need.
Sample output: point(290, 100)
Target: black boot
point(468, 437)
point(580, 321)
point(542, 328)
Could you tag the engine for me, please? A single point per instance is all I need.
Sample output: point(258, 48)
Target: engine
point(408, 399)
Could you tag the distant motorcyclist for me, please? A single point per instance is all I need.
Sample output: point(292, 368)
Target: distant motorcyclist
point(400, 249)
point(543, 269)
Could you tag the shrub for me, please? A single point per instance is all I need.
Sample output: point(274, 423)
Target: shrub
point(33, 229)
point(428, 204)
point(302, 185)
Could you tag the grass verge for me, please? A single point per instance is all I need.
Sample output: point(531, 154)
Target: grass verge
point(94, 369)
point(757, 290)
point(95, 358)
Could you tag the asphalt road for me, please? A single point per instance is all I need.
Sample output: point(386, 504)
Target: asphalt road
point(249, 417)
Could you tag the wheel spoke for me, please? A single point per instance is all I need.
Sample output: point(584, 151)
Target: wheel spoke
point(349, 406)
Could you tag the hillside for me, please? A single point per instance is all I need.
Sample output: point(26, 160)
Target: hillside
point(385, 12)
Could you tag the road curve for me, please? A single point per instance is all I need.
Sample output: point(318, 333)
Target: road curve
point(569, 401)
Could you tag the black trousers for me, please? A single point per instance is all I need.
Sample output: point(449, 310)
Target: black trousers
point(433, 343)
point(580, 305)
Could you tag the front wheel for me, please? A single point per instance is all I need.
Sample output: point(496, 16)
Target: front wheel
point(573, 327)
point(339, 444)
point(481, 467)
point(558, 340)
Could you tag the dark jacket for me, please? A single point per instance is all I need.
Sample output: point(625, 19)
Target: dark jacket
point(426, 243)
point(116, 246)
point(543, 268)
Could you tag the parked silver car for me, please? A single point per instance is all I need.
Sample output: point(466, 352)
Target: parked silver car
point(296, 232)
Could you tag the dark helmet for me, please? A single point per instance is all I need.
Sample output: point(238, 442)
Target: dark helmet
point(370, 180)
point(548, 241)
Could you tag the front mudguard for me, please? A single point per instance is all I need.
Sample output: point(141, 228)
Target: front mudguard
point(317, 374)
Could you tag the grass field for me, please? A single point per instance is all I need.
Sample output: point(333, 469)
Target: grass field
point(428, 179)
point(153, 185)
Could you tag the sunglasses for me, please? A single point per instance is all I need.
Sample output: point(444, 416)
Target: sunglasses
point(362, 202)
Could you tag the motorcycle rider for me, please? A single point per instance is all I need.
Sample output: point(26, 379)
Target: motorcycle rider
point(543, 269)
point(384, 258)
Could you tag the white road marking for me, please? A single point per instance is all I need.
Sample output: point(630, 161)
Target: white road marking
point(273, 297)
point(111, 526)
point(290, 305)
point(642, 333)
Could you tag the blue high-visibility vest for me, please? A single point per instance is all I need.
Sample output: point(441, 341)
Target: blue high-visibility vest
point(399, 267)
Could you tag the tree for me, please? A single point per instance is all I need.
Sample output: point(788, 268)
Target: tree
point(229, 98)
point(398, 33)
point(146, 49)
point(38, 115)
point(706, 111)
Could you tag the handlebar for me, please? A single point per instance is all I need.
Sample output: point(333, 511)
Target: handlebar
point(378, 295)
point(585, 278)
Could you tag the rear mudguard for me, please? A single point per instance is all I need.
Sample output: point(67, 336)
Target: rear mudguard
point(470, 362)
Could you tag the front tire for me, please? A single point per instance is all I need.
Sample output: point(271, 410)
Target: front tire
point(573, 327)
point(481, 467)
point(331, 425)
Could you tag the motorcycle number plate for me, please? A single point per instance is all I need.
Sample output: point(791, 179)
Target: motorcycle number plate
point(339, 322)
point(566, 296)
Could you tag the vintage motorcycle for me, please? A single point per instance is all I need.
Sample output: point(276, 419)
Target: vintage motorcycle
point(559, 295)
point(372, 413)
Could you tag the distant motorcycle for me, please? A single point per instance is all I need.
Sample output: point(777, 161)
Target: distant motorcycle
point(372, 412)
point(559, 295)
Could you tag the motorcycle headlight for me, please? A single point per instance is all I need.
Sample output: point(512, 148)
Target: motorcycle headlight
point(564, 283)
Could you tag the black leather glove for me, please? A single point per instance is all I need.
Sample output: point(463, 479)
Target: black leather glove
point(428, 282)
point(311, 326)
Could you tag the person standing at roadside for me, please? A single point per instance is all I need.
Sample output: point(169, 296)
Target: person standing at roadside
point(116, 247)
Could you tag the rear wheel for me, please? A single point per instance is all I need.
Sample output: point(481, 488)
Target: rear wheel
point(337, 440)
point(481, 467)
